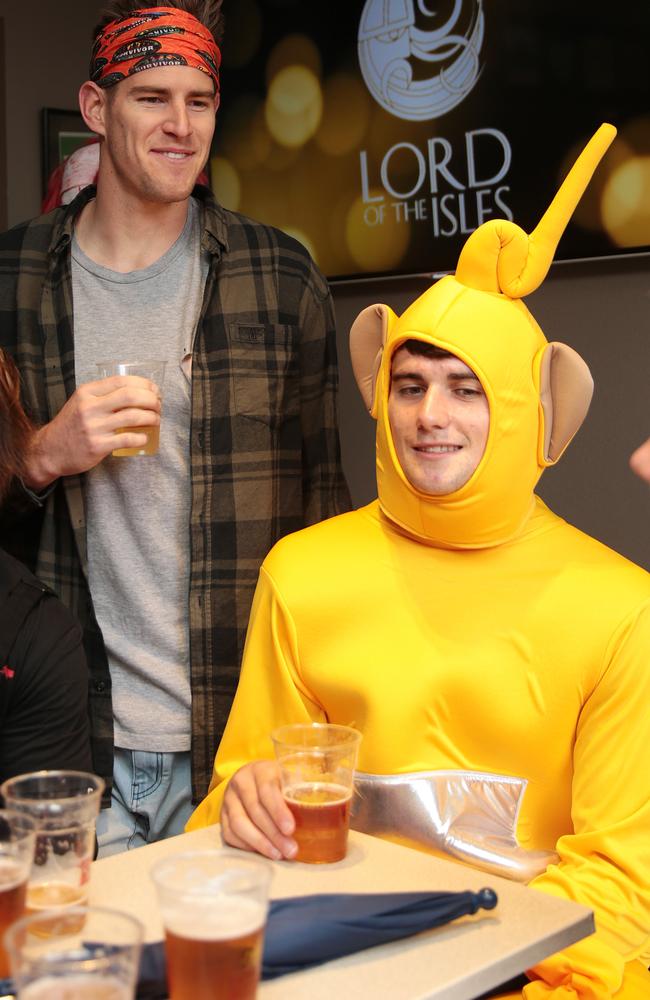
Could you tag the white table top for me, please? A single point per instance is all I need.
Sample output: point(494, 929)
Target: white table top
point(455, 962)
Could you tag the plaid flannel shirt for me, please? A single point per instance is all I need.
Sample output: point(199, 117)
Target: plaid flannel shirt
point(264, 440)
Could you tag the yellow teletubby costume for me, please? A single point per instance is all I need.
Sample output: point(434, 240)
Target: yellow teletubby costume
point(478, 631)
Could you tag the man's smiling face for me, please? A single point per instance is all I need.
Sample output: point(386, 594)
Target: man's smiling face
point(158, 126)
point(439, 419)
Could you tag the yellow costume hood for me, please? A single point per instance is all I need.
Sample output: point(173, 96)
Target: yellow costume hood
point(538, 392)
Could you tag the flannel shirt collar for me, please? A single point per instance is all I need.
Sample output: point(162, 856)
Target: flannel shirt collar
point(64, 225)
point(215, 227)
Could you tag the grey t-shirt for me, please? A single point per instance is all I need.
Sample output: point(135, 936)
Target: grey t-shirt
point(138, 509)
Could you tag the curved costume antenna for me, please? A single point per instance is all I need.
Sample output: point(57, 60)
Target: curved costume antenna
point(500, 257)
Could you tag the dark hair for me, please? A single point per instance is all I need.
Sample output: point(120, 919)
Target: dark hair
point(15, 426)
point(423, 348)
point(208, 12)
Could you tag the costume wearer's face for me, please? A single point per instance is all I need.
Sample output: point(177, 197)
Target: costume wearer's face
point(159, 125)
point(439, 420)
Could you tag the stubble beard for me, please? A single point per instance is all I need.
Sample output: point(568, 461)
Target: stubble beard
point(161, 194)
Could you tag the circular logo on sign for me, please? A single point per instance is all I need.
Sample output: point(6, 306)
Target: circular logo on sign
point(414, 66)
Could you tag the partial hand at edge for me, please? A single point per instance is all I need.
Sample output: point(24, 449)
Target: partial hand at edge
point(640, 461)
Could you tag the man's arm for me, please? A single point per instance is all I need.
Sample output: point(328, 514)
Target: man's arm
point(605, 862)
point(324, 487)
point(245, 789)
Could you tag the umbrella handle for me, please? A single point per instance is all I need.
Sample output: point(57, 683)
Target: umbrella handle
point(486, 899)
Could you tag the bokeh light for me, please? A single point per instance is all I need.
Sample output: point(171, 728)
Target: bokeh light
point(375, 239)
point(280, 158)
point(293, 50)
point(626, 203)
point(294, 106)
point(225, 183)
point(636, 134)
point(339, 258)
point(346, 114)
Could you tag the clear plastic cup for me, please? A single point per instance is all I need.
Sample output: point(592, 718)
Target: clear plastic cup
point(85, 953)
point(317, 765)
point(155, 372)
point(213, 906)
point(64, 807)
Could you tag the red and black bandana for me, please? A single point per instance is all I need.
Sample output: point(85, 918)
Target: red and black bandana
point(149, 38)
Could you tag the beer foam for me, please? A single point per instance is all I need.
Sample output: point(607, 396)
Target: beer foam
point(76, 988)
point(219, 917)
point(317, 794)
point(12, 874)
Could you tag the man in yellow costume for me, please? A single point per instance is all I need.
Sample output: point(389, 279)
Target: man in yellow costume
point(459, 623)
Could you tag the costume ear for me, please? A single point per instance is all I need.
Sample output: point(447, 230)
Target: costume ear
point(565, 391)
point(368, 336)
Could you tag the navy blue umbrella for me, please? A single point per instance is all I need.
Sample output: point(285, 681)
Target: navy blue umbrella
point(304, 931)
point(308, 930)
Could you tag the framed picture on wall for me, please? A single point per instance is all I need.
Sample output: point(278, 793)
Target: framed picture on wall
point(63, 132)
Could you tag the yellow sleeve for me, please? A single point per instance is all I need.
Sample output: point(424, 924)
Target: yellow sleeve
point(270, 693)
point(605, 862)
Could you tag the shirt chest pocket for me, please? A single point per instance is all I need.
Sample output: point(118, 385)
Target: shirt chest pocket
point(265, 372)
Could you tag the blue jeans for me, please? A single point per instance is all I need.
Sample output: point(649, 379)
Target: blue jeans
point(152, 799)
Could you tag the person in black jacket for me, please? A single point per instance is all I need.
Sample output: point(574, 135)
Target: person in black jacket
point(43, 672)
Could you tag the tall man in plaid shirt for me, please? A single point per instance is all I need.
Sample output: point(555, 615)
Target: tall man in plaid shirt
point(158, 556)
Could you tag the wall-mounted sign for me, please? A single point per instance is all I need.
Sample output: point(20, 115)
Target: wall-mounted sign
point(381, 133)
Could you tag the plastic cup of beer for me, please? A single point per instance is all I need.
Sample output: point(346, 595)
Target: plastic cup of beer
point(317, 764)
point(155, 372)
point(17, 838)
point(64, 807)
point(213, 906)
point(85, 953)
